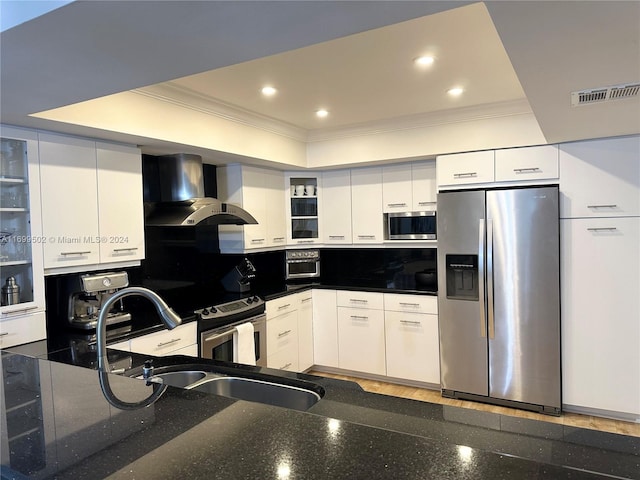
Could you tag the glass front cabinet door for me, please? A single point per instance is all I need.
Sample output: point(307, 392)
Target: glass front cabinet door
point(303, 209)
point(21, 267)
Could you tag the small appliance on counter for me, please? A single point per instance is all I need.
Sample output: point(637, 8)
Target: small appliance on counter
point(238, 280)
point(90, 293)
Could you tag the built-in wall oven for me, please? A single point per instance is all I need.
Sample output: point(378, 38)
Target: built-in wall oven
point(217, 324)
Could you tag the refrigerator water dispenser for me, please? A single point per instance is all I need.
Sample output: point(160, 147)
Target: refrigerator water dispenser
point(462, 277)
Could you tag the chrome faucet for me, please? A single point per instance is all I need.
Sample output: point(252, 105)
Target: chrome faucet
point(167, 315)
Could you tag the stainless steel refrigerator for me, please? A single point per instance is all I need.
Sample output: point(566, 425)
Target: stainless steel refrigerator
point(499, 296)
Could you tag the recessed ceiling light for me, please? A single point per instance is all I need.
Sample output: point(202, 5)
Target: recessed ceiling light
point(455, 91)
point(424, 61)
point(322, 113)
point(269, 91)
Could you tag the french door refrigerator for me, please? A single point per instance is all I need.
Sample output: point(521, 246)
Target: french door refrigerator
point(499, 296)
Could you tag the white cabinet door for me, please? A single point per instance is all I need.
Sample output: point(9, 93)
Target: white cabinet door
point(600, 278)
point(366, 205)
point(166, 342)
point(121, 216)
point(527, 163)
point(274, 201)
point(305, 330)
point(412, 346)
point(325, 328)
point(465, 168)
point(361, 344)
point(396, 188)
point(16, 330)
point(69, 192)
point(423, 185)
point(336, 207)
point(600, 178)
point(282, 341)
point(254, 201)
point(303, 208)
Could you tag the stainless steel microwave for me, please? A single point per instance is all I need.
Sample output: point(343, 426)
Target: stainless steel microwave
point(410, 225)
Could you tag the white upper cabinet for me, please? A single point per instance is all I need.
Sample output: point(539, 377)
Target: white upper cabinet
point(261, 193)
point(366, 205)
point(423, 185)
point(465, 168)
point(527, 163)
point(69, 189)
point(121, 215)
point(409, 187)
point(600, 178)
point(336, 207)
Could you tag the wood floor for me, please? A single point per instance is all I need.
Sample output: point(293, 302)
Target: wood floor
point(434, 396)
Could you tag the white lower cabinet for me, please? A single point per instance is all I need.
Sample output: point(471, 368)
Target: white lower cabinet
point(305, 330)
point(182, 340)
point(282, 340)
point(600, 282)
point(325, 328)
point(22, 329)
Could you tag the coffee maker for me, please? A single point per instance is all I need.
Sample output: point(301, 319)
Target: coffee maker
point(87, 295)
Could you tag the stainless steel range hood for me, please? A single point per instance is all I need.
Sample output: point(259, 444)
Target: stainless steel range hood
point(179, 186)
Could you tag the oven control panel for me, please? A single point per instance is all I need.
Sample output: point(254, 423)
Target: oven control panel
point(249, 305)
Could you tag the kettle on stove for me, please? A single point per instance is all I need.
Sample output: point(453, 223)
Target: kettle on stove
point(239, 278)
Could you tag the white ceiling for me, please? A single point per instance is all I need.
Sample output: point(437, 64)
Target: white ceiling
point(353, 58)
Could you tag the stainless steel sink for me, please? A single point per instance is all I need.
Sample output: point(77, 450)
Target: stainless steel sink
point(240, 388)
point(259, 391)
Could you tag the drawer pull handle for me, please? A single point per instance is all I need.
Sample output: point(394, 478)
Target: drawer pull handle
point(282, 307)
point(19, 310)
point(358, 300)
point(465, 175)
point(278, 239)
point(527, 170)
point(336, 237)
point(257, 240)
point(405, 304)
point(359, 317)
point(4, 334)
point(396, 204)
point(427, 203)
point(366, 237)
point(164, 344)
point(64, 254)
point(602, 229)
point(602, 206)
point(285, 366)
point(282, 334)
point(308, 299)
point(130, 249)
point(410, 322)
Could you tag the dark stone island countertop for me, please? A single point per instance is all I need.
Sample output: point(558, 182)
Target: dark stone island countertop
point(348, 434)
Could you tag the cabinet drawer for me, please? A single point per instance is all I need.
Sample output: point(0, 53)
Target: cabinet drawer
point(284, 359)
point(282, 332)
point(281, 305)
point(371, 300)
point(397, 302)
point(166, 341)
point(528, 163)
point(465, 168)
point(24, 329)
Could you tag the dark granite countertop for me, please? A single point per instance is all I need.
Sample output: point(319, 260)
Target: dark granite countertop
point(348, 434)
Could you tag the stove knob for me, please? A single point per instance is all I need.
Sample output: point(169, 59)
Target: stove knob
point(249, 300)
point(256, 299)
point(213, 309)
point(204, 312)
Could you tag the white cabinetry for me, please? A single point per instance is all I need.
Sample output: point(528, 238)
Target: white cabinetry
point(366, 205)
point(465, 168)
point(600, 178)
point(97, 219)
point(325, 328)
point(21, 238)
point(409, 187)
point(361, 344)
point(600, 278)
point(303, 208)
point(411, 337)
point(282, 333)
point(120, 203)
point(182, 340)
point(526, 163)
point(336, 207)
point(305, 330)
point(260, 192)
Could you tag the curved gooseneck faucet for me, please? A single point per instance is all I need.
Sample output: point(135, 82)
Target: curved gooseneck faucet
point(169, 318)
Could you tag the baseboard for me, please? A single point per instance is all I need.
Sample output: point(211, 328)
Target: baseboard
point(597, 412)
point(376, 378)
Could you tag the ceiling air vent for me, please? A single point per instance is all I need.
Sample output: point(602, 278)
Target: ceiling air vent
point(604, 94)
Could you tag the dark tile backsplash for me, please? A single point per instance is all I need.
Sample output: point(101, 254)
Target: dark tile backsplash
point(393, 268)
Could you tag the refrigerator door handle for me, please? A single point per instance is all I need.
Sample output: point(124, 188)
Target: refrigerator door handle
point(481, 280)
point(490, 312)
